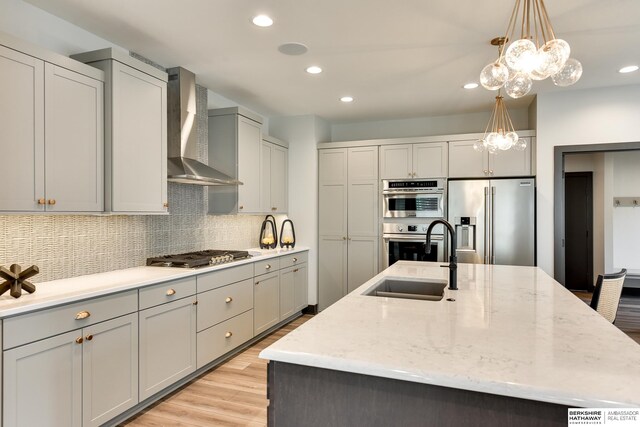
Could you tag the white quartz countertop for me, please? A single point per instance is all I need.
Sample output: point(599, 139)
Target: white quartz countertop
point(511, 331)
point(63, 291)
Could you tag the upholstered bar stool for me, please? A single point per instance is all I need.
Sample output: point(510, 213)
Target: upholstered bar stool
point(606, 295)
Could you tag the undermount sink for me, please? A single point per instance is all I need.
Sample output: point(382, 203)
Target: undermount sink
point(429, 290)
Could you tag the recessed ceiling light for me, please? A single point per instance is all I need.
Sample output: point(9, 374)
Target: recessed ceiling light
point(346, 99)
point(628, 69)
point(263, 21)
point(470, 86)
point(314, 69)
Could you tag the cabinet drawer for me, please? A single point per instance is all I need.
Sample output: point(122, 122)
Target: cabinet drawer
point(224, 303)
point(293, 259)
point(167, 292)
point(266, 266)
point(32, 327)
point(224, 337)
point(223, 277)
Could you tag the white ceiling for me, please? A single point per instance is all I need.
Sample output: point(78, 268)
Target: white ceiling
point(398, 59)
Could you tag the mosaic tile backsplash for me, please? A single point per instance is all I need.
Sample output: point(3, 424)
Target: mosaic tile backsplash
point(74, 245)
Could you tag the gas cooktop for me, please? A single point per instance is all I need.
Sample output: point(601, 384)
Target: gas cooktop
point(198, 259)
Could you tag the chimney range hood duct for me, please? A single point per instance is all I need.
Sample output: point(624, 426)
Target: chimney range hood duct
point(182, 136)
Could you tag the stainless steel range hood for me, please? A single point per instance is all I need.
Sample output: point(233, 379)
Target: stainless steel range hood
point(182, 137)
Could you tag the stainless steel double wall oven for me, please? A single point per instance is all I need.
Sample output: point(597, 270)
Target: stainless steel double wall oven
point(408, 207)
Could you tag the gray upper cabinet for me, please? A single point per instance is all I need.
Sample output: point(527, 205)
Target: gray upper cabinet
point(274, 173)
point(74, 173)
point(135, 132)
point(428, 160)
point(51, 133)
point(235, 139)
point(466, 162)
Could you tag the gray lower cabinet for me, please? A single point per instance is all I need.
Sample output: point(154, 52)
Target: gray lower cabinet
point(83, 377)
point(109, 369)
point(224, 337)
point(287, 293)
point(48, 374)
point(167, 345)
point(294, 282)
point(266, 301)
point(301, 287)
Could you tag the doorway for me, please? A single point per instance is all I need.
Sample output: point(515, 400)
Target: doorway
point(578, 227)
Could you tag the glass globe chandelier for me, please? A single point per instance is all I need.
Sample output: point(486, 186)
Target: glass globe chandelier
point(536, 55)
point(499, 134)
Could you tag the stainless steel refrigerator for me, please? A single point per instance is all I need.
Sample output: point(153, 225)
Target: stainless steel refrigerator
point(494, 220)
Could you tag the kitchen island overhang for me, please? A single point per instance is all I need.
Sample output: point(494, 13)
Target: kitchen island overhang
point(511, 332)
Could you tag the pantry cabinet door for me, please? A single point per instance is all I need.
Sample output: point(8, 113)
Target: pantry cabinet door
point(74, 149)
point(21, 131)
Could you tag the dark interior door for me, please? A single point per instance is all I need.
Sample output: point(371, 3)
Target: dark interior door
point(578, 227)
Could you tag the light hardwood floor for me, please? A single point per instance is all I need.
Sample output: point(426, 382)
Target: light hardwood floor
point(233, 394)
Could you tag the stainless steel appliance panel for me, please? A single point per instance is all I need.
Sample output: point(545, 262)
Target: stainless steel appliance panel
point(513, 232)
point(413, 198)
point(470, 199)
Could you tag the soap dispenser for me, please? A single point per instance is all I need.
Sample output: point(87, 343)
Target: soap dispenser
point(268, 233)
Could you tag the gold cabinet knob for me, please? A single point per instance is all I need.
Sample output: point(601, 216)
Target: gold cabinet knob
point(82, 315)
point(165, 204)
point(274, 209)
point(42, 202)
point(344, 237)
point(240, 207)
point(195, 302)
point(79, 340)
point(296, 270)
point(171, 292)
point(257, 283)
point(295, 259)
point(228, 300)
point(89, 337)
point(490, 172)
point(268, 266)
point(51, 201)
point(228, 335)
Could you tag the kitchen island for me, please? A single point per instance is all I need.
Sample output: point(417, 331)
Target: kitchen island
point(514, 348)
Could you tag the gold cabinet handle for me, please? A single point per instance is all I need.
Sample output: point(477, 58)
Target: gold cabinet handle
point(228, 334)
point(82, 315)
point(79, 340)
point(89, 337)
point(295, 259)
point(257, 283)
point(274, 209)
point(195, 302)
point(240, 207)
point(268, 266)
point(171, 292)
point(485, 171)
point(344, 238)
point(228, 300)
point(51, 201)
point(296, 270)
point(42, 202)
point(165, 204)
point(490, 172)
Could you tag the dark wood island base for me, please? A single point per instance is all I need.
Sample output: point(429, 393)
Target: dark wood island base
point(303, 396)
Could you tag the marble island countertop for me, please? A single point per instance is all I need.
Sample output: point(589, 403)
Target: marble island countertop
point(511, 331)
point(63, 291)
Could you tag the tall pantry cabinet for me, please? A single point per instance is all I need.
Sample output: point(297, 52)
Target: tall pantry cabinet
point(348, 220)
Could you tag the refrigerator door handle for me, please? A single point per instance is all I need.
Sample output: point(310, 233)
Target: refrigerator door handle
point(486, 227)
point(493, 253)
